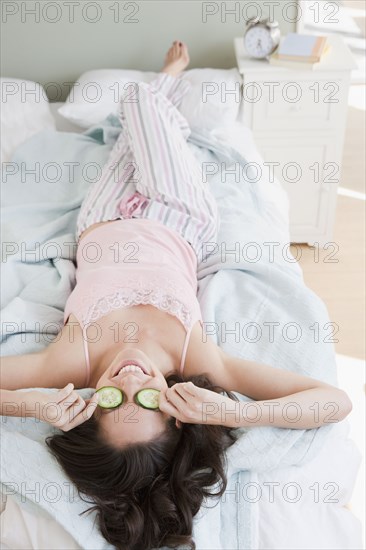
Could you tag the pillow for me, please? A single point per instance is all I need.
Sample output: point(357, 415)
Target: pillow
point(213, 100)
point(25, 111)
point(34, 530)
point(96, 94)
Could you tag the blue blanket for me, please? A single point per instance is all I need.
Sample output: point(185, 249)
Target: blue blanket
point(252, 294)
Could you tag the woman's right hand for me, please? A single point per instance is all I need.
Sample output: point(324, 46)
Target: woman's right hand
point(194, 405)
point(64, 409)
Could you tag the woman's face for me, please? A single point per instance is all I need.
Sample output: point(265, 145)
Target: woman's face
point(131, 423)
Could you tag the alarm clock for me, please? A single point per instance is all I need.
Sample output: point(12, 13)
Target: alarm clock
point(261, 38)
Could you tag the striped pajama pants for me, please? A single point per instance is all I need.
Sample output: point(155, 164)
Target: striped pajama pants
point(151, 171)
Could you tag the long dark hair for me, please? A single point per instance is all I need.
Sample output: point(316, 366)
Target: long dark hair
point(147, 494)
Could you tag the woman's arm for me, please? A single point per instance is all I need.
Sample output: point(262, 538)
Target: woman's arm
point(282, 399)
point(16, 403)
point(22, 371)
point(61, 362)
point(64, 409)
point(300, 411)
point(191, 404)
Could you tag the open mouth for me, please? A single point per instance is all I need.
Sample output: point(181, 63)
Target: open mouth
point(129, 366)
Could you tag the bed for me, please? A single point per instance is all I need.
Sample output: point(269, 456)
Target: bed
point(287, 489)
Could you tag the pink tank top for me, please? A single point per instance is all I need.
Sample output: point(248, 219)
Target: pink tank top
point(133, 262)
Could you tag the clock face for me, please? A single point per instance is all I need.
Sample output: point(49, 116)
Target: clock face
point(258, 42)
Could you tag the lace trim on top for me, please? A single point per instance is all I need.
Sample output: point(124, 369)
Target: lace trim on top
point(127, 297)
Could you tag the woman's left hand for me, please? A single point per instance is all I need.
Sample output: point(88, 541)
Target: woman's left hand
point(193, 405)
point(64, 409)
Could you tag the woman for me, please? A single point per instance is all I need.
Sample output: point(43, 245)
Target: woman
point(133, 322)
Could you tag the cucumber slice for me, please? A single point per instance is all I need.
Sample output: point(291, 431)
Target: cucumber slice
point(148, 399)
point(109, 397)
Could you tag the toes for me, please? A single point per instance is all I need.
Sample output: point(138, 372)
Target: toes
point(171, 50)
point(177, 50)
point(184, 47)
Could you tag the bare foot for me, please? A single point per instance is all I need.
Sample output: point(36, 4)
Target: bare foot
point(176, 59)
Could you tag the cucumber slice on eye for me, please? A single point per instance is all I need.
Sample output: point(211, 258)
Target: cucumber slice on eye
point(148, 399)
point(109, 397)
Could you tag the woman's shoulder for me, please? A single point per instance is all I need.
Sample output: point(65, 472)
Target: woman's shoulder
point(65, 357)
point(203, 355)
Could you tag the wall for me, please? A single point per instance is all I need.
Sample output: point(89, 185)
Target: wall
point(50, 41)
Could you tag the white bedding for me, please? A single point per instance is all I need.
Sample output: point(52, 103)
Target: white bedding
point(328, 525)
point(24, 112)
point(302, 498)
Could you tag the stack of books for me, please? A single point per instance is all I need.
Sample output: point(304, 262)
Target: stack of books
point(300, 51)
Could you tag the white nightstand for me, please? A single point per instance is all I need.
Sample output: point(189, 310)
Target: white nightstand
point(298, 119)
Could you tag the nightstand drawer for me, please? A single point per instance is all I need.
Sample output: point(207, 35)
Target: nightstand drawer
point(309, 171)
point(293, 104)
